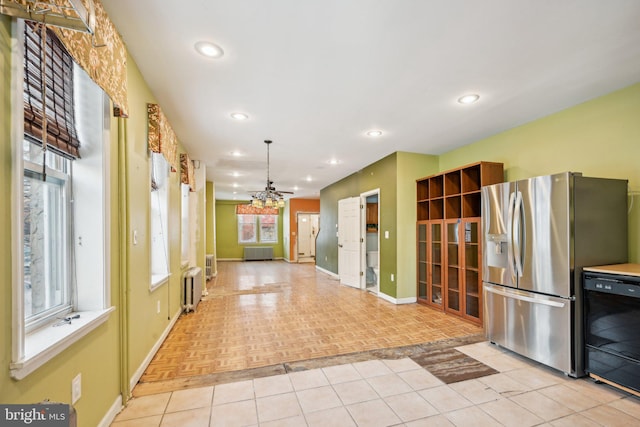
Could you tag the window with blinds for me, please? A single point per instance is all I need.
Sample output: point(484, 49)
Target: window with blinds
point(62, 200)
point(61, 134)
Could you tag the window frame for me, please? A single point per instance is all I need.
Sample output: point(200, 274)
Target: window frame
point(185, 224)
point(159, 276)
point(32, 349)
point(257, 228)
point(275, 227)
point(34, 170)
point(239, 224)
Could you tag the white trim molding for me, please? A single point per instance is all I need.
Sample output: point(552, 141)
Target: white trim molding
point(145, 363)
point(114, 410)
point(397, 301)
point(334, 275)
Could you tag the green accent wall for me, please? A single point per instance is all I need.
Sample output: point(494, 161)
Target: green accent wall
point(145, 324)
point(227, 245)
point(600, 138)
point(395, 177)
point(410, 168)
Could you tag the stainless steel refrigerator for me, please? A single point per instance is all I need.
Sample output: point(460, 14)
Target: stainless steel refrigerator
point(538, 234)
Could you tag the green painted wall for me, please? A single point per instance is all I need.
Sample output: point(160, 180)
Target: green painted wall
point(383, 175)
point(410, 167)
point(96, 356)
point(145, 324)
point(599, 138)
point(227, 232)
point(395, 177)
point(327, 240)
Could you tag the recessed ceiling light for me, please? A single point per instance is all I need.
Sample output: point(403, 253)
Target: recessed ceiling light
point(235, 185)
point(209, 49)
point(239, 116)
point(334, 161)
point(309, 179)
point(235, 174)
point(236, 153)
point(296, 188)
point(469, 99)
point(374, 133)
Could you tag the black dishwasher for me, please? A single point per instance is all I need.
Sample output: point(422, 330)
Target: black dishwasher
point(612, 327)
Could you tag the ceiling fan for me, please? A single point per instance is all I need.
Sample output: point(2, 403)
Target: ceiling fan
point(269, 197)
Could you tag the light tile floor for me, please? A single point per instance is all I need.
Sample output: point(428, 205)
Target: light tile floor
point(394, 393)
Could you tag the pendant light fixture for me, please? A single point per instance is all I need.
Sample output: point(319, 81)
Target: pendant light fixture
point(269, 197)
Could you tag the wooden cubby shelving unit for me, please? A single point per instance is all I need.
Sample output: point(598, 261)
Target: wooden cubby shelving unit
point(449, 238)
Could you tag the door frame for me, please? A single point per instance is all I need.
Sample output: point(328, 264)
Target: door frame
point(297, 242)
point(363, 239)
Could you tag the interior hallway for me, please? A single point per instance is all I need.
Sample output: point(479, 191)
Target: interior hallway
point(259, 314)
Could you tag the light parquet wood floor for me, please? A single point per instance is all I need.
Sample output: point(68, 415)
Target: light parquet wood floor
point(264, 313)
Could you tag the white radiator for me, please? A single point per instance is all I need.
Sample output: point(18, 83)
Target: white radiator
point(258, 253)
point(192, 289)
point(208, 268)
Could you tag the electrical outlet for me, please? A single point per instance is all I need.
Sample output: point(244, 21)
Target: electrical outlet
point(76, 388)
point(386, 234)
point(158, 304)
point(135, 237)
point(392, 277)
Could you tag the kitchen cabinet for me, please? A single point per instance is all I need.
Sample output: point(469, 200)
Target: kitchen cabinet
point(448, 238)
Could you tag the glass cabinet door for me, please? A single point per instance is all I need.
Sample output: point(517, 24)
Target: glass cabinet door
point(453, 265)
point(435, 264)
point(422, 261)
point(472, 277)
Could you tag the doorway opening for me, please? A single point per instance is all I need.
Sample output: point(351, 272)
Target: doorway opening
point(308, 224)
point(370, 280)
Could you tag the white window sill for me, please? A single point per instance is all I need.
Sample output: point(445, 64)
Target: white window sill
point(158, 280)
point(184, 264)
point(45, 343)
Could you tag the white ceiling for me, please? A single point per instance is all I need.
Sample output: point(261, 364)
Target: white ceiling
point(314, 76)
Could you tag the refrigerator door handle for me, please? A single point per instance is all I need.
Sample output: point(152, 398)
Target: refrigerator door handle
point(517, 234)
point(524, 298)
point(510, 248)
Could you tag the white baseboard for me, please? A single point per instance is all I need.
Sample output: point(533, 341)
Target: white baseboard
point(330, 273)
point(145, 363)
point(230, 259)
point(112, 412)
point(409, 300)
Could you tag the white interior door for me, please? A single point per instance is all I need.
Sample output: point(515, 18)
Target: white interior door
point(349, 241)
point(304, 236)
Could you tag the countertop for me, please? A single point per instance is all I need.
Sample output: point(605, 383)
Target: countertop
point(624, 269)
